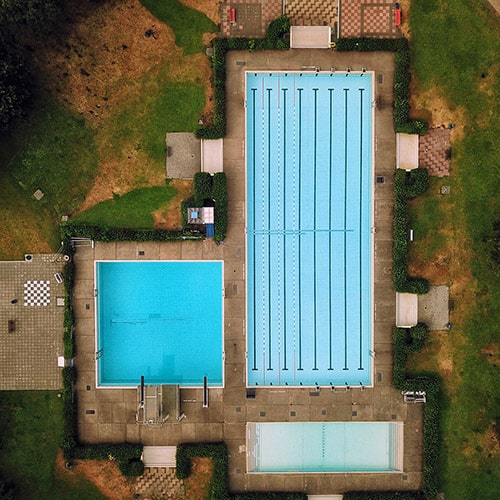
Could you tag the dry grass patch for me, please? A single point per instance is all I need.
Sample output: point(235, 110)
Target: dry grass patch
point(198, 481)
point(170, 217)
point(101, 64)
point(104, 474)
point(211, 8)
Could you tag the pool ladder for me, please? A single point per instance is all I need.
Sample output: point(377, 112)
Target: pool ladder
point(99, 354)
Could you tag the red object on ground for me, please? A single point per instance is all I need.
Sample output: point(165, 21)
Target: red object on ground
point(232, 15)
point(397, 17)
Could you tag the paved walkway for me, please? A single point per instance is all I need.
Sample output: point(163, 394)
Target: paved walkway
point(252, 17)
point(159, 482)
point(367, 18)
point(31, 315)
point(312, 13)
point(434, 151)
point(108, 415)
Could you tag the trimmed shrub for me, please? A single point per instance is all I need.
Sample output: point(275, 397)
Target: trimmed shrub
point(384, 495)
point(274, 495)
point(69, 437)
point(202, 187)
point(126, 455)
point(219, 194)
point(124, 234)
point(406, 186)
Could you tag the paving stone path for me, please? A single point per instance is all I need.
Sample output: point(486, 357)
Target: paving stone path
point(312, 13)
point(159, 482)
point(434, 151)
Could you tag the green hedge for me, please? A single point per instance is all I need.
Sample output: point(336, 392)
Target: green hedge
point(69, 434)
point(402, 77)
point(276, 495)
point(202, 188)
point(126, 455)
point(218, 488)
point(384, 495)
point(406, 186)
point(219, 194)
point(407, 341)
point(124, 234)
point(275, 38)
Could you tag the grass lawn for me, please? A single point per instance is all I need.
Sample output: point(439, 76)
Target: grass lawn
point(29, 439)
point(78, 161)
point(132, 210)
point(456, 45)
point(188, 24)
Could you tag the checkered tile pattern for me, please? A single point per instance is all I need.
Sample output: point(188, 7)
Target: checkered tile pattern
point(252, 17)
point(367, 18)
point(434, 151)
point(37, 293)
point(312, 13)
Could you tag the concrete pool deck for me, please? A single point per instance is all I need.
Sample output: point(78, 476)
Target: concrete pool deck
point(108, 415)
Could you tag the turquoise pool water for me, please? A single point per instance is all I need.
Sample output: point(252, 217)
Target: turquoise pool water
point(160, 319)
point(285, 447)
point(309, 166)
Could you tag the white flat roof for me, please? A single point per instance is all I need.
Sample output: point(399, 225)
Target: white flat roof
point(406, 310)
point(407, 151)
point(310, 37)
point(212, 152)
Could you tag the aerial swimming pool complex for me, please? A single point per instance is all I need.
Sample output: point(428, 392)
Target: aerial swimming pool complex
point(309, 153)
point(159, 319)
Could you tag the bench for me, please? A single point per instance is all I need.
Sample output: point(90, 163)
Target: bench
point(397, 16)
point(232, 15)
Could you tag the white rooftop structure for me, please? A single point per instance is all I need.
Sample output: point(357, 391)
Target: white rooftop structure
point(407, 151)
point(310, 37)
point(212, 152)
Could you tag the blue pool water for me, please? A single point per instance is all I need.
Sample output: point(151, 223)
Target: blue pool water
point(309, 219)
point(160, 319)
point(325, 447)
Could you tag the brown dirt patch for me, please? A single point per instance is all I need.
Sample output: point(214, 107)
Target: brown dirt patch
point(405, 15)
point(170, 217)
point(197, 483)
point(431, 106)
point(211, 8)
point(492, 353)
point(103, 473)
point(100, 62)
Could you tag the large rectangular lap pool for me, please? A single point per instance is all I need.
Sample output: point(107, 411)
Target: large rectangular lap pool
point(284, 447)
point(160, 319)
point(309, 159)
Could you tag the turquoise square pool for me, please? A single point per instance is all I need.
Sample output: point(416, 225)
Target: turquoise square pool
point(160, 319)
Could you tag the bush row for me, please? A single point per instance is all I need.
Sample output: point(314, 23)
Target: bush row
point(407, 185)
point(126, 455)
point(202, 188)
point(411, 340)
point(124, 234)
point(402, 77)
point(219, 194)
point(275, 38)
point(384, 495)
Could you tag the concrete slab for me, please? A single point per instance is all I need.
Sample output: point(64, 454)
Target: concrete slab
point(310, 37)
point(406, 310)
point(433, 308)
point(183, 155)
point(212, 155)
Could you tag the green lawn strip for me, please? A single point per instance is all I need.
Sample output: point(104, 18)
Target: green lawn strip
point(456, 45)
point(29, 439)
point(131, 210)
point(187, 24)
point(429, 217)
point(56, 154)
point(26, 226)
point(172, 107)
